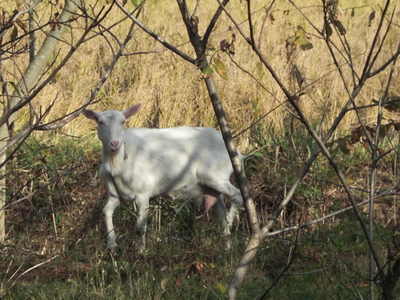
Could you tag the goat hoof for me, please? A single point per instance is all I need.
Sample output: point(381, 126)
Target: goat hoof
point(112, 247)
point(144, 252)
point(227, 244)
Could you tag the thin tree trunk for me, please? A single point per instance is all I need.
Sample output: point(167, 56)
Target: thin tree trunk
point(256, 235)
point(31, 75)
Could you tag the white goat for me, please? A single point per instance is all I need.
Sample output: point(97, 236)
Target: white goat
point(180, 162)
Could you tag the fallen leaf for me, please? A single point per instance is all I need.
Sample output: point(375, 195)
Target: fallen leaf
point(164, 282)
point(178, 281)
point(221, 288)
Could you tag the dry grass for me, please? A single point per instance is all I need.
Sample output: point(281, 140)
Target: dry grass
point(167, 85)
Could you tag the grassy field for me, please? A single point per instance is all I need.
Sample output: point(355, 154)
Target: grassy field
point(155, 79)
point(55, 246)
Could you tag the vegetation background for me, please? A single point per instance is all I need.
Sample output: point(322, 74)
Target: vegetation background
point(55, 245)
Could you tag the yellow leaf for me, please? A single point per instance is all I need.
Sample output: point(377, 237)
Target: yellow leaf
point(136, 3)
point(220, 68)
point(221, 288)
point(301, 39)
point(164, 282)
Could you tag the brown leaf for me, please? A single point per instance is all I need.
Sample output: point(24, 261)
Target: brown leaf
point(232, 49)
point(371, 17)
point(195, 22)
point(340, 27)
point(349, 146)
point(199, 266)
point(178, 281)
point(356, 135)
point(55, 24)
point(14, 33)
point(297, 74)
point(228, 47)
point(328, 28)
point(195, 268)
point(345, 146)
point(224, 45)
point(271, 18)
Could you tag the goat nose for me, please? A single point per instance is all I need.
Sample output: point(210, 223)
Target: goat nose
point(114, 144)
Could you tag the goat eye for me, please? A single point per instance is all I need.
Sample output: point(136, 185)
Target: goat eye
point(100, 122)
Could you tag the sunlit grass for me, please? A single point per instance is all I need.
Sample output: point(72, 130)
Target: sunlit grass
point(166, 84)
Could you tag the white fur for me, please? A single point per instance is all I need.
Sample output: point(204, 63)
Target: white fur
point(180, 162)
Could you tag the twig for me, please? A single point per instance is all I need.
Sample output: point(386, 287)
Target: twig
point(208, 286)
point(304, 225)
point(154, 35)
point(14, 17)
point(352, 282)
point(42, 187)
point(39, 265)
point(33, 93)
point(286, 268)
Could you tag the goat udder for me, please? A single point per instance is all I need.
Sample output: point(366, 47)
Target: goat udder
point(208, 202)
point(210, 197)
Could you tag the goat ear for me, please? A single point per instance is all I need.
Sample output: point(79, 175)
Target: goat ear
point(129, 112)
point(90, 114)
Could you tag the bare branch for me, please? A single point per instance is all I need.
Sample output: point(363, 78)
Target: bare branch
point(307, 224)
point(290, 260)
point(33, 92)
point(213, 21)
point(44, 186)
point(15, 17)
point(370, 60)
point(154, 35)
point(64, 120)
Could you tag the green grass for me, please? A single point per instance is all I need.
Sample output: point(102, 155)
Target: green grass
point(330, 258)
point(325, 264)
